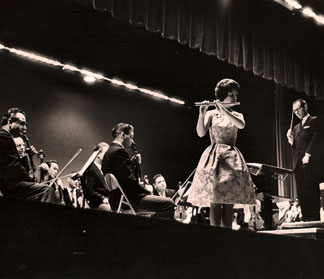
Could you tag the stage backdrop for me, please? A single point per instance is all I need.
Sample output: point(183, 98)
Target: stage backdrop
point(65, 114)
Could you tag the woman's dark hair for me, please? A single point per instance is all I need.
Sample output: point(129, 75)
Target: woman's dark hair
point(224, 86)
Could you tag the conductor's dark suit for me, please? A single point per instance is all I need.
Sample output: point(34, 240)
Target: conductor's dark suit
point(14, 179)
point(306, 141)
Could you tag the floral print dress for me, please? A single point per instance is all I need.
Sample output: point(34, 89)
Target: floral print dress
point(222, 175)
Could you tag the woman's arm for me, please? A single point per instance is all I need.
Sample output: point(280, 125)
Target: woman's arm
point(237, 120)
point(203, 121)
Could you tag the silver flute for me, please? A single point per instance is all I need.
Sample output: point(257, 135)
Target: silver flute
point(213, 103)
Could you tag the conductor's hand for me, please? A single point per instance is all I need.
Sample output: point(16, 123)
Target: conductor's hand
point(305, 159)
point(137, 159)
point(290, 136)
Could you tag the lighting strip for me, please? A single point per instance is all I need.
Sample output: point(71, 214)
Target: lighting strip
point(89, 76)
point(306, 11)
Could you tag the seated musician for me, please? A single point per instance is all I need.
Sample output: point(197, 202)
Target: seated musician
point(15, 181)
point(95, 188)
point(160, 187)
point(21, 148)
point(46, 173)
point(73, 194)
point(279, 217)
point(118, 162)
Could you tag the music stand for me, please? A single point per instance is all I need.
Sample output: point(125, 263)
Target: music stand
point(270, 173)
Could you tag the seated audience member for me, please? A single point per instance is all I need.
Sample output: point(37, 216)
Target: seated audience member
point(94, 185)
point(119, 163)
point(160, 187)
point(47, 173)
point(73, 195)
point(15, 181)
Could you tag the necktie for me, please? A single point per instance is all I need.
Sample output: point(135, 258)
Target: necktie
point(73, 199)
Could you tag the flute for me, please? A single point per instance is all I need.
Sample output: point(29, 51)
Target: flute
point(213, 103)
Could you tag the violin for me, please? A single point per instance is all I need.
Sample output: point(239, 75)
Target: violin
point(183, 211)
point(41, 155)
point(255, 221)
point(147, 184)
point(30, 154)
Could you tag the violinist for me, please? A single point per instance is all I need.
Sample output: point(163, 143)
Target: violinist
point(25, 161)
point(29, 150)
point(160, 187)
point(73, 194)
point(47, 172)
point(118, 162)
point(15, 181)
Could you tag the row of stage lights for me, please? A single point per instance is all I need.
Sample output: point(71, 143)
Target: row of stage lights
point(89, 76)
point(306, 11)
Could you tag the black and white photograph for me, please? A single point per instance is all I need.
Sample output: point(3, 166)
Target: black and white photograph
point(162, 139)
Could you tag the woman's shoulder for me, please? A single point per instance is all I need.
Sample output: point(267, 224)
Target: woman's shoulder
point(238, 114)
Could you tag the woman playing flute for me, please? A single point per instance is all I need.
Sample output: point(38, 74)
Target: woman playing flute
point(222, 177)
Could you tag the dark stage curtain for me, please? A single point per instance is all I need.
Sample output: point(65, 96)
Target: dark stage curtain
point(286, 187)
point(258, 35)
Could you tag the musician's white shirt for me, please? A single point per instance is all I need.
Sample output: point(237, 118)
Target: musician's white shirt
point(98, 166)
point(305, 118)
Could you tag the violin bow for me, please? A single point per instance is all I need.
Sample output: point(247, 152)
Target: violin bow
point(53, 179)
point(64, 168)
point(292, 119)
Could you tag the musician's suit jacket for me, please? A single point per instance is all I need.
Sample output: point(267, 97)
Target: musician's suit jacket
point(169, 193)
point(68, 200)
point(94, 186)
point(11, 169)
point(306, 141)
point(14, 179)
point(118, 162)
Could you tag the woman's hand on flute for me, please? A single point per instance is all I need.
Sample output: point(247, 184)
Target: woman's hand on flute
point(204, 107)
point(219, 105)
